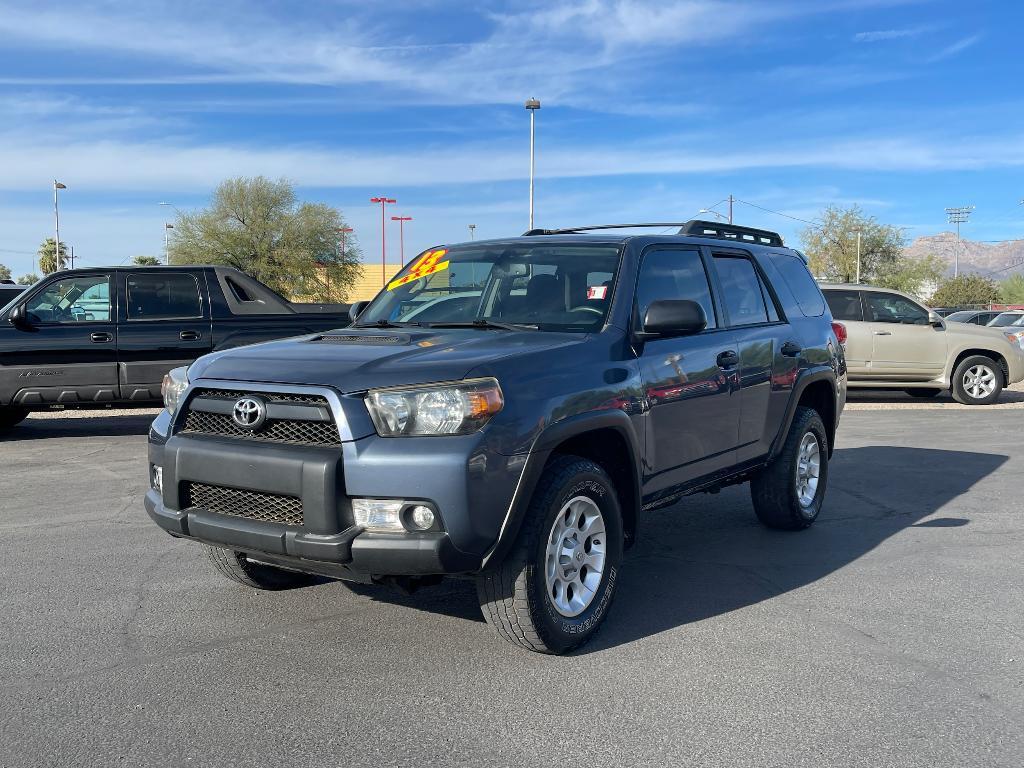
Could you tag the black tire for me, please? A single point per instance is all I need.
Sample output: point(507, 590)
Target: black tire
point(514, 595)
point(237, 567)
point(923, 392)
point(11, 417)
point(961, 392)
point(774, 489)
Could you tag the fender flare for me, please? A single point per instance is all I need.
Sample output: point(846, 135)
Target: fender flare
point(543, 446)
point(809, 377)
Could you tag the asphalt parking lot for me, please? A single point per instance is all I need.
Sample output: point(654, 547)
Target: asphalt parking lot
point(890, 634)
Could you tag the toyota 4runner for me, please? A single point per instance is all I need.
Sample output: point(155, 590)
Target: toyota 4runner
point(507, 411)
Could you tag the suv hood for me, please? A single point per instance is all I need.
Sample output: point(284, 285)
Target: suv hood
point(977, 331)
point(356, 359)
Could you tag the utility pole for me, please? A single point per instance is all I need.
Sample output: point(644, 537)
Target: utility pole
point(472, 231)
point(958, 216)
point(167, 253)
point(731, 201)
point(401, 236)
point(58, 259)
point(384, 202)
point(532, 105)
point(72, 257)
point(858, 257)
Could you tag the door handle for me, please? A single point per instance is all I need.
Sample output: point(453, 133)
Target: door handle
point(791, 349)
point(101, 337)
point(883, 333)
point(189, 335)
point(728, 359)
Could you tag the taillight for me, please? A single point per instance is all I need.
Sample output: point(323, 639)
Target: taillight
point(840, 331)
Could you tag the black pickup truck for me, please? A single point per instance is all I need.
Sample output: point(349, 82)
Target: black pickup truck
point(92, 337)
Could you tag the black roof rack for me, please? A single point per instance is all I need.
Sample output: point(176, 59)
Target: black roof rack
point(697, 228)
point(730, 232)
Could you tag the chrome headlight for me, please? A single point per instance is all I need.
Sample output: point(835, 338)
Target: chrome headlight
point(457, 408)
point(172, 388)
point(1015, 337)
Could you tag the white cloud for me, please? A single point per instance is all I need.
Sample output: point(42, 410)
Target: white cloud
point(955, 48)
point(881, 35)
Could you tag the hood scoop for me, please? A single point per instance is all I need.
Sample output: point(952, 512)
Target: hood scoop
point(361, 339)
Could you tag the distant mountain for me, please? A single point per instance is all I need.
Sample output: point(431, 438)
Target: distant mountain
point(991, 259)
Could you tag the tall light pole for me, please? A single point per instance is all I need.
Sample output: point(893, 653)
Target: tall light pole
point(384, 202)
point(167, 253)
point(858, 257)
point(58, 259)
point(532, 105)
point(472, 231)
point(958, 216)
point(401, 236)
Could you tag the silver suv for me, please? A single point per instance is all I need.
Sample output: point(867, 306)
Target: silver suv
point(893, 342)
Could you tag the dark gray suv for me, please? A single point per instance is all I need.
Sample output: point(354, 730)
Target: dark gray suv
point(506, 411)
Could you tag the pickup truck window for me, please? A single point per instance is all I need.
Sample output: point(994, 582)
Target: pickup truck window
point(163, 296)
point(674, 274)
point(78, 299)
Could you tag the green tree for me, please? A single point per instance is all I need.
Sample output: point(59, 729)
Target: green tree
point(831, 246)
point(5, 272)
point(915, 276)
point(258, 226)
point(146, 261)
point(30, 279)
point(965, 291)
point(1012, 289)
point(48, 258)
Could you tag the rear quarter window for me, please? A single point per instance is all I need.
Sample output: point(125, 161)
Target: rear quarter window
point(801, 283)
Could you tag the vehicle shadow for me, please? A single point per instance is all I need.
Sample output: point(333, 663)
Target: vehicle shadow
point(101, 424)
point(708, 555)
point(888, 396)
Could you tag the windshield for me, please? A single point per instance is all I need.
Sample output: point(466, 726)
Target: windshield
point(550, 287)
point(1007, 318)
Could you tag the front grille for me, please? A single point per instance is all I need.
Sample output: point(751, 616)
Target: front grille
point(252, 505)
point(289, 431)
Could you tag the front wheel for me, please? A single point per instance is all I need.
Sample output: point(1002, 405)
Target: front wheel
point(11, 416)
point(788, 493)
point(239, 568)
point(978, 380)
point(554, 588)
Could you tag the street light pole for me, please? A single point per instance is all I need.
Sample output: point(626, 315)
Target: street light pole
point(472, 231)
point(858, 257)
point(401, 236)
point(167, 253)
point(58, 259)
point(384, 201)
point(532, 105)
point(958, 216)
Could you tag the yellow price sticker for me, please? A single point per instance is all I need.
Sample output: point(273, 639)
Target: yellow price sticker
point(429, 263)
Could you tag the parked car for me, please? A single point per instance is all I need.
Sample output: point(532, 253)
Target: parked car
point(896, 343)
point(944, 311)
point(90, 337)
point(973, 316)
point(1013, 317)
point(9, 292)
point(598, 376)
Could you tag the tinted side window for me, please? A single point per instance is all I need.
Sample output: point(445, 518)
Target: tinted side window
point(162, 296)
point(670, 274)
point(79, 299)
point(800, 281)
point(893, 308)
point(741, 289)
point(845, 305)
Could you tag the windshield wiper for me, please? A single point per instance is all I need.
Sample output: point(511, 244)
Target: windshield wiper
point(484, 323)
point(379, 324)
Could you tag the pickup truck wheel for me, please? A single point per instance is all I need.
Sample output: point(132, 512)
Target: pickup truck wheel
point(554, 588)
point(923, 392)
point(237, 567)
point(978, 380)
point(10, 417)
point(788, 493)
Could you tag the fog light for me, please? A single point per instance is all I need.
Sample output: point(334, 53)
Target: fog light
point(422, 517)
point(156, 477)
point(378, 514)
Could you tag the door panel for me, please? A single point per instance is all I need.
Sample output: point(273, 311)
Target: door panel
point(904, 345)
point(68, 355)
point(163, 322)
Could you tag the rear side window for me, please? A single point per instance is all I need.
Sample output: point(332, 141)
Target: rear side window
point(801, 283)
point(671, 274)
point(844, 305)
point(163, 296)
point(742, 291)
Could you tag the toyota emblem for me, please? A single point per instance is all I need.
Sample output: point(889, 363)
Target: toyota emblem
point(249, 412)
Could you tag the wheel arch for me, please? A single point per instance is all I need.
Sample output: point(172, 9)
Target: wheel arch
point(816, 390)
point(963, 354)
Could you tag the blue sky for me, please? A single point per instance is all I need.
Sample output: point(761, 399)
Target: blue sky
point(651, 111)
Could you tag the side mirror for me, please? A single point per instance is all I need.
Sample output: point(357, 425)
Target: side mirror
point(673, 317)
point(19, 317)
point(356, 309)
point(935, 320)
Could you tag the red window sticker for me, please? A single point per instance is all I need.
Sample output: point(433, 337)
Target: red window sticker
point(597, 291)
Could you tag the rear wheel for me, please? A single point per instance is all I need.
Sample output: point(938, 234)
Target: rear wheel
point(788, 493)
point(554, 588)
point(978, 380)
point(11, 416)
point(238, 567)
point(923, 392)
